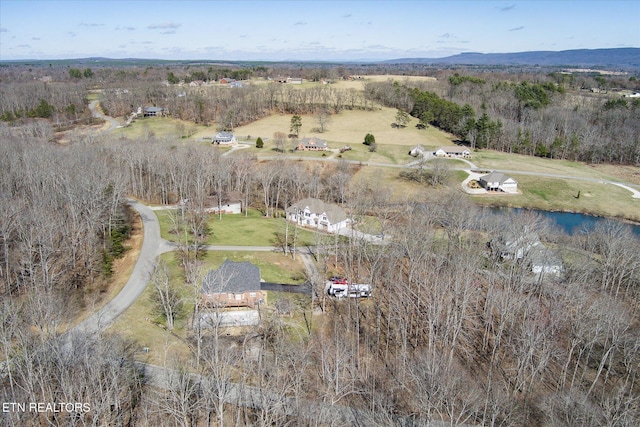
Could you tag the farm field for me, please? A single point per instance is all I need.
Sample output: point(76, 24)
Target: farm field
point(350, 127)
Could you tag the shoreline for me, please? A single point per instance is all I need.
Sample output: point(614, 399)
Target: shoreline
point(625, 220)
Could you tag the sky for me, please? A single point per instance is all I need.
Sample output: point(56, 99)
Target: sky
point(300, 30)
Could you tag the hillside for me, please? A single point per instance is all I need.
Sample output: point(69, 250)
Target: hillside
point(627, 58)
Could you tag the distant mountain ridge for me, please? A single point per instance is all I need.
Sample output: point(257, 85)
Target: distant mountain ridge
point(628, 57)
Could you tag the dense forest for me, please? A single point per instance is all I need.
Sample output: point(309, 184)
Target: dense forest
point(455, 331)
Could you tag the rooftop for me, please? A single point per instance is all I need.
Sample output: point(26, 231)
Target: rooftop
point(232, 276)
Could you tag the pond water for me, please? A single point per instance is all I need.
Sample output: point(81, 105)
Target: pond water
point(569, 222)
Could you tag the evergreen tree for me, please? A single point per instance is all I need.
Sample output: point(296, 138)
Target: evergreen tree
point(296, 124)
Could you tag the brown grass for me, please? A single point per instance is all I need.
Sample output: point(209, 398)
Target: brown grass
point(350, 127)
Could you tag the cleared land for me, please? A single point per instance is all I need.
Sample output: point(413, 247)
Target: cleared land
point(350, 127)
point(252, 230)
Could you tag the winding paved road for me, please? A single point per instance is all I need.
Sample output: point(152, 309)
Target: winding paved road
point(152, 245)
point(113, 123)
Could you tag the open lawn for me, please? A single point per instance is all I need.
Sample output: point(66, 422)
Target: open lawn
point(349, 128)
point(388, 179)
point(358, 84)
point(238, 230)
point(275, 267)
point(143, 324)
point(166, 127)
point(557, 194)
point(488, 159)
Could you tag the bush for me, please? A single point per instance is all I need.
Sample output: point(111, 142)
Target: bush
point(369, 139)
point(259, 143)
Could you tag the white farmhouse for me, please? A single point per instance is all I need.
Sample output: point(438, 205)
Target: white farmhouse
point(317, 214)
point(453, 151)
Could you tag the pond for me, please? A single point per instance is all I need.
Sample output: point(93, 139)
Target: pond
point(569, 222)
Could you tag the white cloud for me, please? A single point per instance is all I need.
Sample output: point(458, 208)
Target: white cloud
point(165, 26)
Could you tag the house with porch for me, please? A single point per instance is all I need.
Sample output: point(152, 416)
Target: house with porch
point(497, 181)
point(154, 112)
point(315, 213)
point(453, 151)
point(224, 138)
point(312, 144)
point(233, 284)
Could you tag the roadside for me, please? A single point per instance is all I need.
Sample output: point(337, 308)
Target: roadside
point(122, 269)
point(137, 280)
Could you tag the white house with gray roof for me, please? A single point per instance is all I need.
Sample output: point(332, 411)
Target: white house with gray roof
point(453, 151)
point(315, 213)
point(497, 181)
point(224, 138)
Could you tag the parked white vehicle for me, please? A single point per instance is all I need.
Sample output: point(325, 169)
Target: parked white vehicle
point(352, 290)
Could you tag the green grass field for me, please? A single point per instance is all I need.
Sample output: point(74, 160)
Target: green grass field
point(558, 194)
point(166, 127)
point(517, 162)
point(274, 267)
point(238, 230)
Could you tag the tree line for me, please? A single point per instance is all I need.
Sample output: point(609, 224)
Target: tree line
point(230, 107)
point(538, 118)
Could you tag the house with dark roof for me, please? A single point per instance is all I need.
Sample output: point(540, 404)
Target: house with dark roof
point(497, 181)
point(315, 213)
point(233, 284)
point(312, 144)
